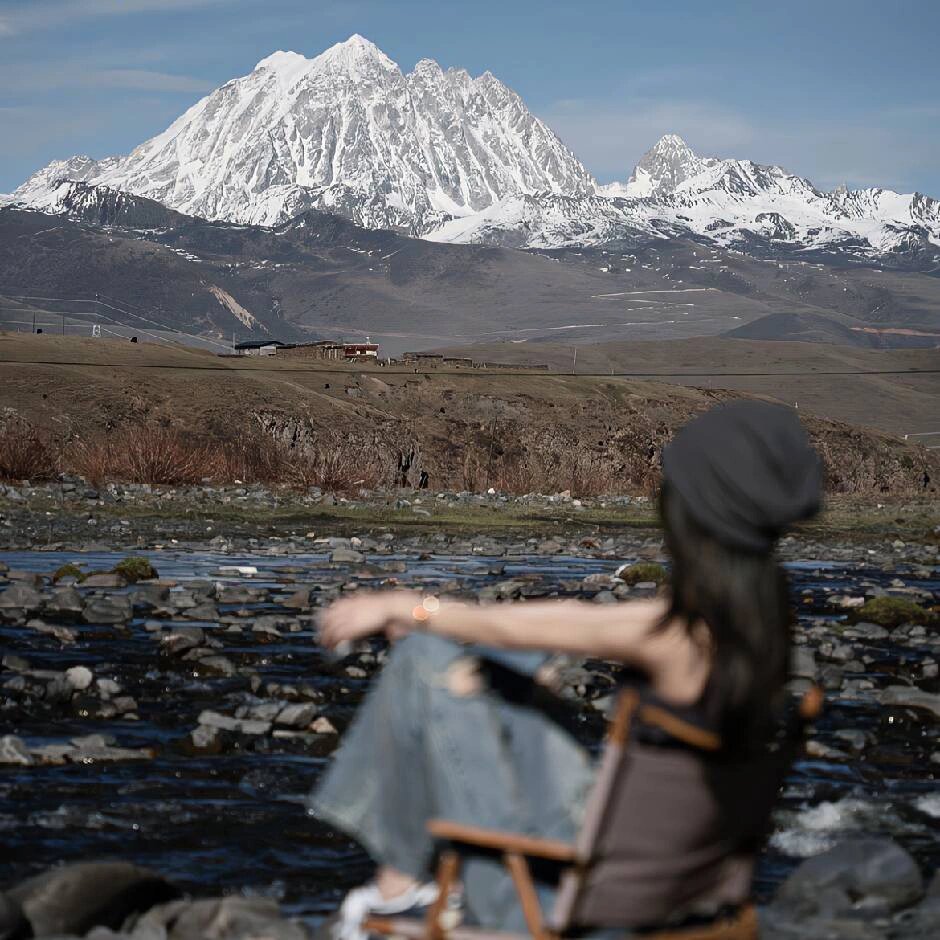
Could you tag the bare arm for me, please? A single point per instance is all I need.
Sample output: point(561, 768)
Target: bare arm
point(618, 631)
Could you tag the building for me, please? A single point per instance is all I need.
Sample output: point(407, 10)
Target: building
point(322, 349)
point(258, 347)
point(361, 352)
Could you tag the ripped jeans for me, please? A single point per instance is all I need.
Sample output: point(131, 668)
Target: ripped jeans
point(418, 750)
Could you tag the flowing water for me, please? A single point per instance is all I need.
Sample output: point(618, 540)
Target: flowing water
point(236, 821)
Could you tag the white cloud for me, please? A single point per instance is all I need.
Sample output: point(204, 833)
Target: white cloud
point(49, 14)
point(27, 79)
point(142, 80)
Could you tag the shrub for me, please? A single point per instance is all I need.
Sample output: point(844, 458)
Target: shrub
point(891, 612)
point(143, 454)
point(135, 568)
point(68, 570)
point(162, 455)
point(643, 571)
point(26, 454)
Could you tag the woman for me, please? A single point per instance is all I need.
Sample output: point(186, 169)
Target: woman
point(457, 733)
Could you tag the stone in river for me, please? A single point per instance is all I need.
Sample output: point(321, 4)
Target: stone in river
point(104, 579)
point(72, 899)
point(323, 726)
point(20, 597)
point(204, 611)
point(105, 610)
point(297, 716)
point(346, 556)
point(228, 918)
point(181, 639)
point(79, 677)
point(911, 697)
point(873, 875)
point(215, 665)
point(299, 600)
point(65, 602)
point(14, 751)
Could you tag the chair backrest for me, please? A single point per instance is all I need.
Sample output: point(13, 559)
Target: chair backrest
point(604, 806)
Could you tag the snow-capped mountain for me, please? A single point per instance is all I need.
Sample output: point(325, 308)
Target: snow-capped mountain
point(661, 170)
point(346, 131)
point(733, 203)
point(455, 158)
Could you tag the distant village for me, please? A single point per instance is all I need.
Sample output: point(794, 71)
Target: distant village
point(367, 352)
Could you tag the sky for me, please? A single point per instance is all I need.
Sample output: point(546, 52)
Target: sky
point(839, 92)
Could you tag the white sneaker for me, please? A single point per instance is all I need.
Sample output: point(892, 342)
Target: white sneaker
point(363, 902)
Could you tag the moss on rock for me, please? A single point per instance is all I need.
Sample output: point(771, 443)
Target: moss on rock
point(135, 568)
point(68, 570)
point(891, 612)
point(644, 571)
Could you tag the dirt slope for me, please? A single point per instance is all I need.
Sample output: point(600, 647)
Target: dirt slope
point(466, 428)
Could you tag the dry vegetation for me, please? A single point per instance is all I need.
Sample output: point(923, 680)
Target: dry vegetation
point(148, 454)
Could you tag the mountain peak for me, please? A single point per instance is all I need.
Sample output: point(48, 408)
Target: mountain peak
point(670, 142)
point(664, 166)
point(354, 52)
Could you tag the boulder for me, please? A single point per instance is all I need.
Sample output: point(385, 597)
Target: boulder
point(298, 715)
point(108, 610)
point(104, 579)
point(20, 597)
point(13, 922)
point(79, 677)
point(229, 918)
point(13, 751)
point(866, 878)
point(911, 697)
point(72, 899)
point(65, 603)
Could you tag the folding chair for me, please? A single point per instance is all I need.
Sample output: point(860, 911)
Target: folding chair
point(578, 858)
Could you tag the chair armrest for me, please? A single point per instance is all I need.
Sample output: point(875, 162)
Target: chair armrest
point(505, 841)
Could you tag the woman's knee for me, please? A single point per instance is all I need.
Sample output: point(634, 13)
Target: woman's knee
point(422, 654)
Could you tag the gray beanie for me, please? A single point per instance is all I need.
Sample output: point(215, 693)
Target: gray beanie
point(745, 471)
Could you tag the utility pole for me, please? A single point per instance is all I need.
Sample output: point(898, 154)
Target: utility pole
point(34, 321)
point(574, 361)
point(63, 324)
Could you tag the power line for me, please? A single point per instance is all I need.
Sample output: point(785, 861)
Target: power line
point(118, 309)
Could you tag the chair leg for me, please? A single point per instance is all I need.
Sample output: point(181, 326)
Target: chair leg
point(525, 888)
point(448, 869)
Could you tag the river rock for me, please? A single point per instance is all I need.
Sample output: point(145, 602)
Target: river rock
point(14, 751)
point(229, 918)
point(181, 639)
point(297, 716)
point(13, 922)
point(911, 697)
point(346, 556)
point(79, 677)
point(20, 597)
point(227, 723)
point(865, 878)
point(65, 603)
point(72, 899)
point(107, 610)
point(104, 579)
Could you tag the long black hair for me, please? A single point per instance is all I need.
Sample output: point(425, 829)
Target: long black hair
point(742, 597)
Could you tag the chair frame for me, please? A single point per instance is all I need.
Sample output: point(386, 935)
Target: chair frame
point(516, 849)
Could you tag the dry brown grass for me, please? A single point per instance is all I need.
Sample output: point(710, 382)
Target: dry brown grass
point(26, 453)
point(143, 454)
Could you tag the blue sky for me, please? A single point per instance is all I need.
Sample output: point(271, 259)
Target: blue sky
point(836, 91)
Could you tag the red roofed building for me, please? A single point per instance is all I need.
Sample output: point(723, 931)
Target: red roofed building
point(361, 352)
